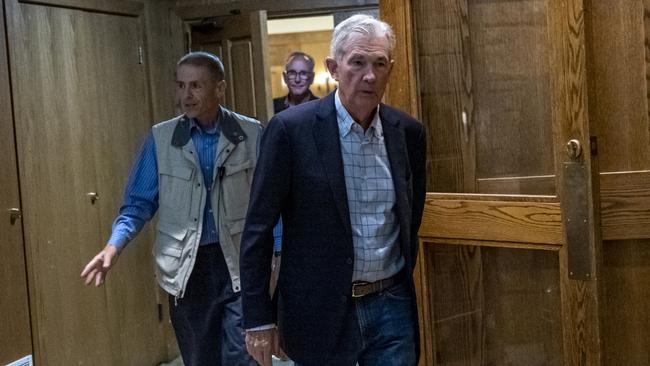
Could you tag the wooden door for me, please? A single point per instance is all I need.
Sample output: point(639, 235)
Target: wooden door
point(510, 259)
point(619, 35)
point(16, 337)
point(81, 110)
point(241, 43)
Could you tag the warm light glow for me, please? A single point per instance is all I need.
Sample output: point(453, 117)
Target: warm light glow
point(323, 82)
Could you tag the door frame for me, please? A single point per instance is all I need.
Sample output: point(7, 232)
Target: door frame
point(580, 298)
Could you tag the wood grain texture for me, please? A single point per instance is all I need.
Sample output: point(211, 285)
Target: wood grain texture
point(196, 9)
point(492, 306)
point(492, 220)
point(626, 313)
point(509, 52)
point(121, 7)
point(581, 324)
point(446, 91)
point(16, 335)
point(625, 205)
point(401, 92)
point(261, 69)
point(618, 84)
point(458, 298)
point(243, 82)
point(165, 45)
point(580, 299)
point(81, 112)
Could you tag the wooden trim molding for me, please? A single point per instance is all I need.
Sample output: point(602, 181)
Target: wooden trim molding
point(402, 91)
point(274, 8)
point(476, 218)
point(120, 7)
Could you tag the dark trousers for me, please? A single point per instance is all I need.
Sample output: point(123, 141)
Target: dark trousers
point(207, 320)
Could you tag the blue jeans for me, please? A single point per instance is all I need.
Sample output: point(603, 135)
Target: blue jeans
point(379, 331)
point(207, 320)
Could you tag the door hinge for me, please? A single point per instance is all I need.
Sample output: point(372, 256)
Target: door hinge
point(160, 313)
point(140, 55)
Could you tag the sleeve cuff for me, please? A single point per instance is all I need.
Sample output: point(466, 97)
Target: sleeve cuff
point(261, 327)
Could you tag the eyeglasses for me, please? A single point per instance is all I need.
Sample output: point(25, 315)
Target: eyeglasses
point(292, 75)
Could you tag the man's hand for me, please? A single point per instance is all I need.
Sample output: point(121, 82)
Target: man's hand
point(262, 344)
point(97, 268)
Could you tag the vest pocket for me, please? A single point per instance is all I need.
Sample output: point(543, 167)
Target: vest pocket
point(175, 189)
point(236, 189)
point(169, 249)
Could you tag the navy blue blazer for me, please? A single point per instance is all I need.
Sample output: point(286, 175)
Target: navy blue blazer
point(299, 176)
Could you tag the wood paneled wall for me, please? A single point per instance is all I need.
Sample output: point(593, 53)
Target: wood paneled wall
point(84, 100)
point(16, 336)
point(196, 9)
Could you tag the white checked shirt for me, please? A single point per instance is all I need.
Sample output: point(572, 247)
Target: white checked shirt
point(371, 198)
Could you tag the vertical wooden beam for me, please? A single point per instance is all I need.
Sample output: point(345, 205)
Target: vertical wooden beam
point(580, 298)
point(402, 91)
point(261, 70)
point(16, 336)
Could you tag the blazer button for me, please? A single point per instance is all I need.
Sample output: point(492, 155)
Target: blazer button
point(349, 260)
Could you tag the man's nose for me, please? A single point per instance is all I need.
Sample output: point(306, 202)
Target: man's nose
point(369, 76)
point(186, 93)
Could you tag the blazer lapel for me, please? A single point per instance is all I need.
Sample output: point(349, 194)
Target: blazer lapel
point(398, 158)
point(326, 136)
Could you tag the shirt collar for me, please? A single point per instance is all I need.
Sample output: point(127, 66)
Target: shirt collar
point(194, 125)
point(345, 120)
point(307, 98)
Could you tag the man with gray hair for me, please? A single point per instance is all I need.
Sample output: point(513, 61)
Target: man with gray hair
point(195, 171)
point(298, 74)
point(347, 175)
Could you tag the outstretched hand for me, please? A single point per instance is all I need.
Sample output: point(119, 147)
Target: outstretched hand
point(97, 268)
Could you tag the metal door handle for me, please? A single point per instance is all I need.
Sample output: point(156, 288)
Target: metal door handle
point(94, 196)
point(14, 215)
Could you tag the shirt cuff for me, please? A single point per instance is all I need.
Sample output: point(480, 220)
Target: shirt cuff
point(261, 327)
point(118, 240)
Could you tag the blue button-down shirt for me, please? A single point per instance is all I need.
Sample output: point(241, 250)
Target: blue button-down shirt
point(371, 197)
point(141, 193)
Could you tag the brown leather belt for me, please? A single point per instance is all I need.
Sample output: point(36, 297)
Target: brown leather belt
point(362, 288)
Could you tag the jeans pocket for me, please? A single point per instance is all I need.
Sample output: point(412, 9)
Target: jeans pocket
point(398, 292)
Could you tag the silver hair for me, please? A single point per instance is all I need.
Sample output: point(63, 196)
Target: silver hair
point(360, 24)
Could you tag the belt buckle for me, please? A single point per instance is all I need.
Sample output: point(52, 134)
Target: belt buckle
point(356, 285)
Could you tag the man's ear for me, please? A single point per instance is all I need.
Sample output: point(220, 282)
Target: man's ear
point(221, 90)
point(332, 67)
